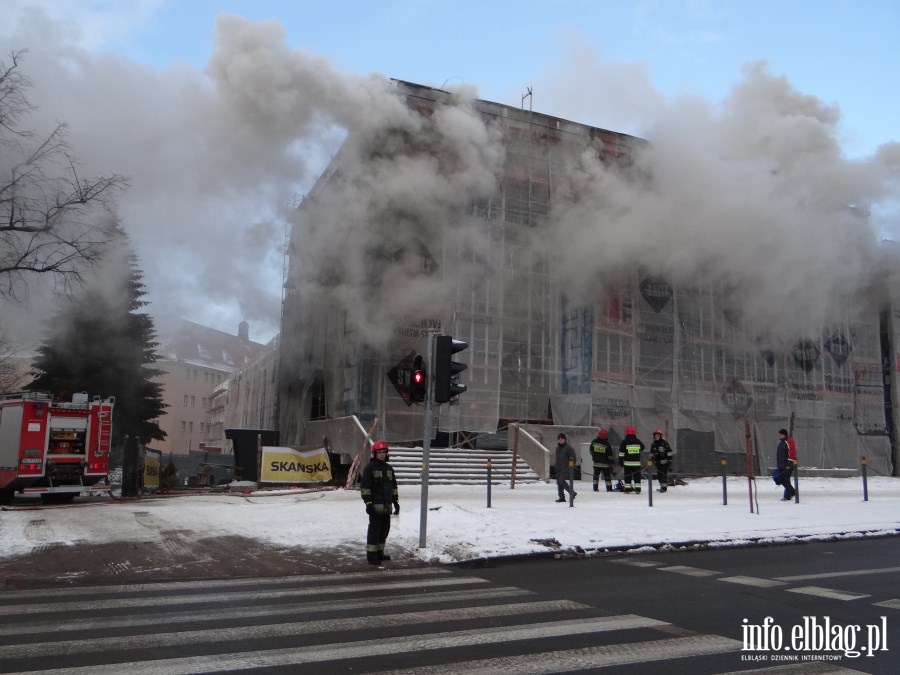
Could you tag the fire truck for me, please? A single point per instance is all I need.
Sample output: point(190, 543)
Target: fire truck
point(53, 448)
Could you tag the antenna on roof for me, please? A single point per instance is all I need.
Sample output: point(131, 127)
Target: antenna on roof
point(528, 94)
point(452, 77)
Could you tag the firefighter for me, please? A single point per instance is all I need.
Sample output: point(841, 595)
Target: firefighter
point(630, 457)
point(661, 453)
point(378, 488)
point(602, 456)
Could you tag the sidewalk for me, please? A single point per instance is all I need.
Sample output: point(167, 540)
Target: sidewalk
point(296, 532)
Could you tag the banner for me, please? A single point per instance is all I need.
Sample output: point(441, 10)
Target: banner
point(287, 465)
point(152, 461)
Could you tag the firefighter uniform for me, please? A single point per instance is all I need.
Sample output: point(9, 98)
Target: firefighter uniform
point(378, 488)
point(602, 456)
point(630, 457)
point(661, 453)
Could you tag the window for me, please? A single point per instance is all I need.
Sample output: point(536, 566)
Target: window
point(205, 376)
point(317, 398)
point(190, 427)
point(193, 400)
point(183, 425)
point(203, 402)
point(185, 399)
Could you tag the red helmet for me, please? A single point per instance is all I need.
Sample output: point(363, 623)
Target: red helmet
point(657, 431)
point(379, 445)
point(629, 431)
point(603, 435)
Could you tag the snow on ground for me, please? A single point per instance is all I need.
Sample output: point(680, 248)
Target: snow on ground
point(461, 527)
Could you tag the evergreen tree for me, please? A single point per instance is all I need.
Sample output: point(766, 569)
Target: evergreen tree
point(99, 342)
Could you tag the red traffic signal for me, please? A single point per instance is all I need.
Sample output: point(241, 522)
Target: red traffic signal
point(418, 386)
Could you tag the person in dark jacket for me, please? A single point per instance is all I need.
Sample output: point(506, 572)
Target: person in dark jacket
point(784, 465)
point(378, 488)
point(630, 458)
point(564, 453)
point(661, 453)
point(602, 457)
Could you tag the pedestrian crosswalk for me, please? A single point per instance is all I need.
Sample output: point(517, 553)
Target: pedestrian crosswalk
point(778, 582)
point(402, 621)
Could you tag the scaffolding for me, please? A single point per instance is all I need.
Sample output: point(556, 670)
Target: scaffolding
point(633, 349)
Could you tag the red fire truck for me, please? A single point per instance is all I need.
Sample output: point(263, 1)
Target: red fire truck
point(53, 448)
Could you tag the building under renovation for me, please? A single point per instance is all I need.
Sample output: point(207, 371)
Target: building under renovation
point(408, 232)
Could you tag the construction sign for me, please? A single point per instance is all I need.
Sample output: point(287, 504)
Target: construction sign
point(152, 462)
point(288, 465)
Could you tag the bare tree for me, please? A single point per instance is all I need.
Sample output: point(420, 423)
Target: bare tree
point(52, 220)
point(14, 367)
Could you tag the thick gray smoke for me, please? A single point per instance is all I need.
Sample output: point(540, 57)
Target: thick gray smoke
point(755, 192)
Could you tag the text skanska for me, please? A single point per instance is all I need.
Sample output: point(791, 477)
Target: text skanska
point(290, 467)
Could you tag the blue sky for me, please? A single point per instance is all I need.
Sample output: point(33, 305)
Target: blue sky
point(841, 51)
point(130, 77)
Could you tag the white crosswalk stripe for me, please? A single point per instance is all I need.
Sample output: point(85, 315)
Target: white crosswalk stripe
point(224, 584)
point(324, 622)
point(327, 652)
point(827, 593)
point(187, 637)
point(589, 657)
point(688, 571)
point(195, 598)
point(219, 615)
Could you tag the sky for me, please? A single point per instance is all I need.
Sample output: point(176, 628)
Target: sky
point(223, 129)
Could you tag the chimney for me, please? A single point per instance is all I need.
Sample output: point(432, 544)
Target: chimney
point(244, 331)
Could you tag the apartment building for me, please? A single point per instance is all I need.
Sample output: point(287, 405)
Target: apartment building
point(196, 359)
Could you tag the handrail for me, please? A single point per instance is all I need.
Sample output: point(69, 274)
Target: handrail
point(532, 451)
point(345, 435)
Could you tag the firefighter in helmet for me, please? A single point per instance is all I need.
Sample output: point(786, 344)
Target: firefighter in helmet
point(661, 453)
point(378, 488)
point(630, 457)
point(602, 456)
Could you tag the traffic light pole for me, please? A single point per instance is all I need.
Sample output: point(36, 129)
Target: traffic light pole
point(426, 444)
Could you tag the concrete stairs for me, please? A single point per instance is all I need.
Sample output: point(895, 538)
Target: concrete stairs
point(455, 466)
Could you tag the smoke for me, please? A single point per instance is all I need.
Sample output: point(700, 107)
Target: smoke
point(754, 195)
point(212, 177)
point(753, 192)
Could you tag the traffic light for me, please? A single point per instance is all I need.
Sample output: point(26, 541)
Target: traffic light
point(418, 382)
point(446, 370)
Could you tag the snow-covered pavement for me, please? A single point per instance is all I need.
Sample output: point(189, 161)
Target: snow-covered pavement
point(460, 526)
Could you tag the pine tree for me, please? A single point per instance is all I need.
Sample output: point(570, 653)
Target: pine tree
point(99, 342)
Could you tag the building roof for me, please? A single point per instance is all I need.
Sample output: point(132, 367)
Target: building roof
point(190, 343)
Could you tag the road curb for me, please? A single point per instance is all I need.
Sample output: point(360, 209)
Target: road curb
point(577, 552)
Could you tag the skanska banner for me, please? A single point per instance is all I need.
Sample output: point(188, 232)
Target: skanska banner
point(287, 465)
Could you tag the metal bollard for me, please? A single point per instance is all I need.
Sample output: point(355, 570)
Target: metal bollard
point(796, 482)
point(865, 480)
point(650, 481)
point(724, 485)
point(571, 483)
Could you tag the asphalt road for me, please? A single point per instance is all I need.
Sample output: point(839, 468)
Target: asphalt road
point(689, 612)
point(852, 583)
